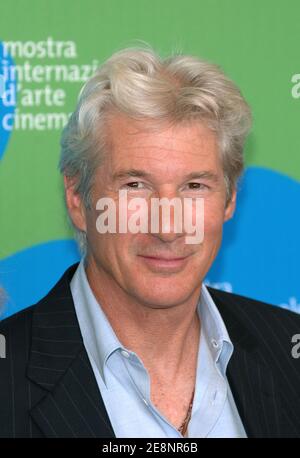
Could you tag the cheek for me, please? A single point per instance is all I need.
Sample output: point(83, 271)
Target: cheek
point(113, 250)
point(213, 223)
point(108, 243)
point(100, 245)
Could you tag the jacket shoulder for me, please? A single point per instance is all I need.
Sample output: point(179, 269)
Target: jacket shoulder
point(15, 332)
point(17, 321)
point(271, 327)
point(237, 302)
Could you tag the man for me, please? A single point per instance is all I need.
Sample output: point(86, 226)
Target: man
point(130, 343)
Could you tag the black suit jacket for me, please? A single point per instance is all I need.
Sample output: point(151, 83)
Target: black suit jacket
point(48, 389)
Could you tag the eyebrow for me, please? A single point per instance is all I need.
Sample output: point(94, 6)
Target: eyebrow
point(206, 174)
point(130, 173)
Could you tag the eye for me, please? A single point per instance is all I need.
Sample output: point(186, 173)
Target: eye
point(195, 185)
point(135, 184)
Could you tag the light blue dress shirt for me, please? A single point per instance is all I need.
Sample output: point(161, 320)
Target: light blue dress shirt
point(124, 382)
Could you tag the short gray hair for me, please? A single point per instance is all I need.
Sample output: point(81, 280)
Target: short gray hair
point(140, 84)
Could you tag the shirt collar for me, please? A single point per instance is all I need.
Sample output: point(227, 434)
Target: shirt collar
point(214, 329)
point(101, 341)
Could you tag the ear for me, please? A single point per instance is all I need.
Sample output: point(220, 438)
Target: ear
point(74, 204)
point(230, 207)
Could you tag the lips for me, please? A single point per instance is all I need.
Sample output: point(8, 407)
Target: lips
point(164, 263)
point(164, 258)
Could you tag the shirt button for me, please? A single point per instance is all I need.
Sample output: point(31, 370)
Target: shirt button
point(125, 353)
point(214, 343)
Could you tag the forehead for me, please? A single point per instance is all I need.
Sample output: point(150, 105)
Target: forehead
point(147, 144)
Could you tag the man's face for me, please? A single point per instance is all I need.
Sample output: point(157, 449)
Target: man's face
point(157, 269)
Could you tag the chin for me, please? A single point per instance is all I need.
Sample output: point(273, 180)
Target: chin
point(164, 295)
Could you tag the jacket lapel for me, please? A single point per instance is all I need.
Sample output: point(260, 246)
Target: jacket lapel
point(252, 383)
point(75, 407)
point(255, 393)
point(72, 405)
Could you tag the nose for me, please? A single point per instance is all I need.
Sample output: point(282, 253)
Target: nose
point(166, 216)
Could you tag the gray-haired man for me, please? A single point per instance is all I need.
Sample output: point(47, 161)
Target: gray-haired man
point(130, 343)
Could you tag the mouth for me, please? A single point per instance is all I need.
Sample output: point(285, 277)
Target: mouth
point(164, 263)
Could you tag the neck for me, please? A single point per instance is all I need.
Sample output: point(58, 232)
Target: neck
point(161, 337)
